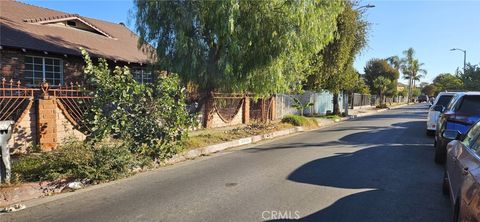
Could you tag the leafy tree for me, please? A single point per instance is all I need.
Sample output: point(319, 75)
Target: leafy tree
point(391, 89)
point(416, 92)
point(447, 81)
point(376, 68)
point(429, 90)
point(239, 46)
point(471, 77)
point(402, 93)
point(423, 84)
point(381, 83)
point(333, 66)
point(354, 82)
point(395, 62)
point(361, 87)
point(261, 47)
point(151, 118)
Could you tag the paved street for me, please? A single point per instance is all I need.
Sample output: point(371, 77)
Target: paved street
point(377, 168)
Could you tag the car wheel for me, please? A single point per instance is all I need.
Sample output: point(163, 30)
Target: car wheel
point(445, 185)
point(439, 155)
point(430, 132)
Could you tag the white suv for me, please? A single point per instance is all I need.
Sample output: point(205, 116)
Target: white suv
point(443, 99)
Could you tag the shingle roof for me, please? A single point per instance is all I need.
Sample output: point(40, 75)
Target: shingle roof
point(24, 26)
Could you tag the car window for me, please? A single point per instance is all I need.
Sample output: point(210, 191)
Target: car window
point(476, 146)
point(444, 100)
point(472, 135)
point(470, 105)
point(453, 102)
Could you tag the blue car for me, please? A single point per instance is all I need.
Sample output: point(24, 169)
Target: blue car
point(461, 113)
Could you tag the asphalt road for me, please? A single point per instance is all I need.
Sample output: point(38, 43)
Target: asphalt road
point(377, 168)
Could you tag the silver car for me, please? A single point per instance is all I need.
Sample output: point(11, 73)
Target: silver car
point(443, 99)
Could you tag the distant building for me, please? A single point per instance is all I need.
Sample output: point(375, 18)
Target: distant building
point(401, 87)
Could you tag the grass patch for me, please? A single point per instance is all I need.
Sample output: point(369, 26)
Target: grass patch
point(77, 160)
point(215, 136)
point(300, 121)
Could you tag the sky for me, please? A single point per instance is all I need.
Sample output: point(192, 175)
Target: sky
point(431, 27)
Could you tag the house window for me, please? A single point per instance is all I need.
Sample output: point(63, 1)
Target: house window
point(38, 69)
point(141, 75)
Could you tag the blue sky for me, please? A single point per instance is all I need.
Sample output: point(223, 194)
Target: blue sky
point(432, 28)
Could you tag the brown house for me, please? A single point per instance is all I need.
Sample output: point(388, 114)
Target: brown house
point(39, 44)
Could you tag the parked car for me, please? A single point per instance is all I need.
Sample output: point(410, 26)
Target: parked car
point(460, 114)
point(442, 99)
point(462, 173)
point(422, 98)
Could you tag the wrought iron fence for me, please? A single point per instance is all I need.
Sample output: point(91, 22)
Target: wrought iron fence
point(14, 99)
point(73, 99)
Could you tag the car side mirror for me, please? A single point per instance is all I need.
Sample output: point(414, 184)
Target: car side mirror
point(438, 108)
point(451, 134)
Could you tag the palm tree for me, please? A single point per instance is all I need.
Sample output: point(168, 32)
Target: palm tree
point(381, 83)
point(395, 62)
point(417, 72)
point(406, 66)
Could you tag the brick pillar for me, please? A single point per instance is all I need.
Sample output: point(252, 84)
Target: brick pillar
point(47, 125)
point(246, 110)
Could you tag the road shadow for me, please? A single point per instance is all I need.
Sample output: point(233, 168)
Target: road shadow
point(374, 136)
point(391, 180)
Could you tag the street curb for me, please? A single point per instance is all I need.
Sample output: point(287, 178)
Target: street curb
point(374, 112)
point(203, 151)
point(207, 150)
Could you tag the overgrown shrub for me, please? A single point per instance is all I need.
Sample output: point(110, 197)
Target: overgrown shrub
point(299, 121)
point(151, 117)
point(77, 160)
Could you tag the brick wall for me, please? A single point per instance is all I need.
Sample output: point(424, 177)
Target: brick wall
point(25, 134)
point(65, 129)
point(12, 64)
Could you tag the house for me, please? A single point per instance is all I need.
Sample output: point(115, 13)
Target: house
point(401, 87)
point(39, 44)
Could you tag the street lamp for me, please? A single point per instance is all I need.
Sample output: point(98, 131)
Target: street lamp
point(464, 57)
point(366, 6)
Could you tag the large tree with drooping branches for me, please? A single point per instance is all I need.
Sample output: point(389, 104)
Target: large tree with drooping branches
point(332, 68)
point(237, 46)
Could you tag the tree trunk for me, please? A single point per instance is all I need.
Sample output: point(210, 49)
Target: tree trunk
point(336, 107)
point(208, 110)
point(382, 100)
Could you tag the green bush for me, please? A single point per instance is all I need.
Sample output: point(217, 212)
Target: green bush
point(77, 160)
point(151, 117)
point(299, 121)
